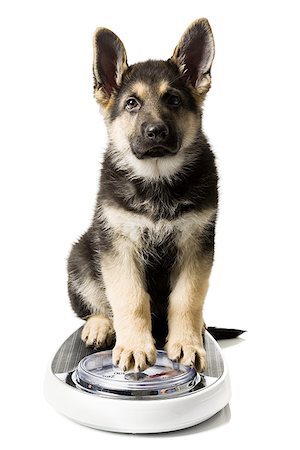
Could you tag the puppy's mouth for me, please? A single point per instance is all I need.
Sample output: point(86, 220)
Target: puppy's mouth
point(159, 151)
point(156, 151)
point(147, 150)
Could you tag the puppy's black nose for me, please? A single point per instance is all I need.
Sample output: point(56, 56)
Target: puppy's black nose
point(156, 132)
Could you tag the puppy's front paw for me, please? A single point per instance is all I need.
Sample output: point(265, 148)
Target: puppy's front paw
point(189, 354)
point(137, 355)
point(98, 332)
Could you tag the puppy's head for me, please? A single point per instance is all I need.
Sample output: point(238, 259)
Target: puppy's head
point(153, 109)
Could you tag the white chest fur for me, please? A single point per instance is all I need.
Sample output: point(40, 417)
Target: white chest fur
point(133, 226)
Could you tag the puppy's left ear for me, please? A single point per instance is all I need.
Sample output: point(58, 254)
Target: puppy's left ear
point(110, 62)
point(194, 55)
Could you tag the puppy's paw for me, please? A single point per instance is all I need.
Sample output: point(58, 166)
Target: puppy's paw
point(187, 354)
point(98, 332)
point(137, 355)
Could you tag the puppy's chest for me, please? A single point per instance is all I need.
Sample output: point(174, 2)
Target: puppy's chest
point(147, 234)
point(157, 204)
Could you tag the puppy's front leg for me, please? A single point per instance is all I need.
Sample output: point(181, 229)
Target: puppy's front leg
point(125, 290)
point(185, 342)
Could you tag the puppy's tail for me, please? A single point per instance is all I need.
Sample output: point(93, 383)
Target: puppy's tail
point(224, 333)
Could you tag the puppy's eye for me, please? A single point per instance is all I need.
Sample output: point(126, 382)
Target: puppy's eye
point(174, 100)
point(132, 104)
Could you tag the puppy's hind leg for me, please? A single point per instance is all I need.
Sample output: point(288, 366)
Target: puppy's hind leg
point(87, 294)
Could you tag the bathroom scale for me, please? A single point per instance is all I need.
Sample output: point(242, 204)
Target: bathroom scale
point(82, 384)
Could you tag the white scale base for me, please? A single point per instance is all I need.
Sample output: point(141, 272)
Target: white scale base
point(135, 415)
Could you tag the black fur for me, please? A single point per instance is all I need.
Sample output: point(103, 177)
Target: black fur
point(196, 184)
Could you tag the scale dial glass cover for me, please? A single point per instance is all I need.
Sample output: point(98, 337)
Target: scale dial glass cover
point(97, 375)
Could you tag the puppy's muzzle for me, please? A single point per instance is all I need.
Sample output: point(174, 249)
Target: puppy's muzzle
point(157, 140)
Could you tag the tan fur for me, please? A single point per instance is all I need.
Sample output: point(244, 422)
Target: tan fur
point(189, 125)
point(163, 87)
point(185, 321)
point(140, 89)
point(130, 302)
point(105, 102)
point(98, 331)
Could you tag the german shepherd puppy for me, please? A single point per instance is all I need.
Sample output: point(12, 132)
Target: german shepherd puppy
point(139, 275)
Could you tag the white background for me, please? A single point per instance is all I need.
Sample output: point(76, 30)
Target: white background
point(52, 138)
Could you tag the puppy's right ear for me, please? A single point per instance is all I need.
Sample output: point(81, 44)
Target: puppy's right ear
point(110, 62)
